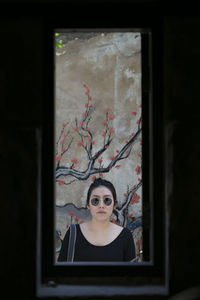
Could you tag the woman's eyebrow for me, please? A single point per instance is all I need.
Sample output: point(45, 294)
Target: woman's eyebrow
point(109, 195)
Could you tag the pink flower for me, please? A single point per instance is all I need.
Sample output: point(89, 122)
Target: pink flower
point(63, 150)
point(104, 134)
point(100, 160)
point(61, 182)
point(135, 199)
point(138, 121)
point(91, 105)
point(88, 129)
point(130, 215)
point(93, 142)
point(134, 113)
point(111, 117)
point(93, 178)
point(81, 124)
point(79, 144)
point(117, 166)
point(72, 214)
point(86, 105)
point(74, 161)
point(111, 131)
point(138, 170)
point(107, 110)
point(104, 123)
point(84, 114)
point(112, 157)
point(58, 158)
point(87, 93)
point(85, 86)
point(77, 219)
point(61, 142)
point(76, 128)
point(90, 98)
point(64, 124)
point(125, 195)
point(101, 174)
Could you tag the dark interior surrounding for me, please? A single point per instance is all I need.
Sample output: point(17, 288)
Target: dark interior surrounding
point(24, 78)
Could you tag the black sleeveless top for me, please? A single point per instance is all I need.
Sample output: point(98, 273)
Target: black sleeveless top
point(121, 249)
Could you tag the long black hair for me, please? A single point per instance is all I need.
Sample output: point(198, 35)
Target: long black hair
point(102, 182)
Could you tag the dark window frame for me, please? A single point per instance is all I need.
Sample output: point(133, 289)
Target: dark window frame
point(86, 279)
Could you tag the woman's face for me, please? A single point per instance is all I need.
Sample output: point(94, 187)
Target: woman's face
point(101, 203)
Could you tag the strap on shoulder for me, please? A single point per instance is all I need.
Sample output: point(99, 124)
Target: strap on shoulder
point(72, 240)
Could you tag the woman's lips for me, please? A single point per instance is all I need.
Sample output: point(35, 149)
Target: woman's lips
point(101, 212)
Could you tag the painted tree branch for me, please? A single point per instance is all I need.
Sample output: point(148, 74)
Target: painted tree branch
point(121, 212)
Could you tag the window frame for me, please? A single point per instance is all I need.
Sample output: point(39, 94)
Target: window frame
point(86, 279)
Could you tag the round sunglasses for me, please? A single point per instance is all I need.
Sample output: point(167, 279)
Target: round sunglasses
point(106, 201)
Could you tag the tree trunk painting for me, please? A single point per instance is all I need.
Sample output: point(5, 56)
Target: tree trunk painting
point(98, 125)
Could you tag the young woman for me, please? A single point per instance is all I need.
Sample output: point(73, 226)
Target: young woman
point(100, 239)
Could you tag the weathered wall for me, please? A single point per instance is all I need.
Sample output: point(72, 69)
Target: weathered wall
point(98, 99)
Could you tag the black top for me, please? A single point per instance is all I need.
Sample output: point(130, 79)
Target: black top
point(122, 248)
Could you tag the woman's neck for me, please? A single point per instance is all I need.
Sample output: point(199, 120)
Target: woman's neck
point(99, 226)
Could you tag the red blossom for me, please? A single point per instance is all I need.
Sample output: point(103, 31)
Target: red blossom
point(90, 98)
point(87, 93)
point(100, 160)
point(138, 170)
point(113, 221)
point(133, 134)
point(89, 139)
point(91, 105)
point(61, 182)
point(93, 178)
point(61, 142)
point(111, 117)
point(81, 124)
point(86, 105)
point(134, 113)
point(107, 110)
point(111, 130)
point(72, 214)
point(85, 114)
point(74, 160)
point(88, 129)
point(101, 174)
point(76, 128)
point(135, 199)
point(77, 219)
point(112, 157)
point(64, 124)
point(125, 195)
point(104, 134)
point(79, 144)
point(93, 142)
point(138, 121)
point(63, 150)
point(85, 86)
point(130, 215)
point(58, 158)
point(117, 151)
point(117, 166)
point(104, 123)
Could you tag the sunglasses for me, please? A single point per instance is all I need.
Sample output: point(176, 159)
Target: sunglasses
point(96, 201)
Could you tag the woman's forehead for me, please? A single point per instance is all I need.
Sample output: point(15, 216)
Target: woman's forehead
point(101, 190)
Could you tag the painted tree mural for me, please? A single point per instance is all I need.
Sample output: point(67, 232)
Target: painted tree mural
point(89, 144)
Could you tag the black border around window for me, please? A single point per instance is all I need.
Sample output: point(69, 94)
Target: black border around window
point(150, 276)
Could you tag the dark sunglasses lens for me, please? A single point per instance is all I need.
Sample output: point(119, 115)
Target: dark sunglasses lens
point(94, 201)
point(107, 201)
